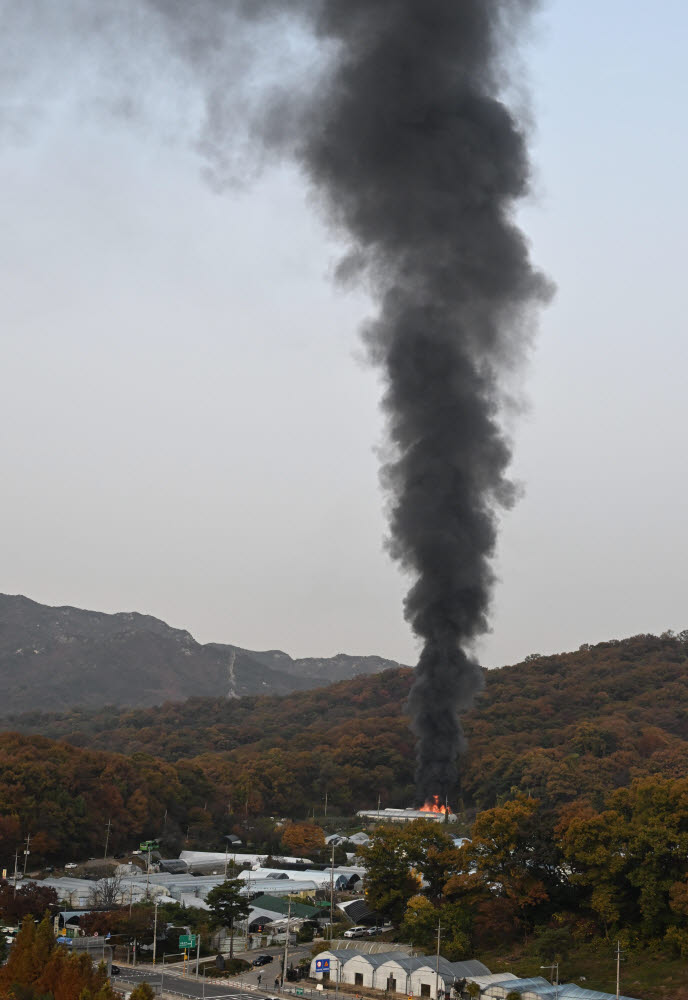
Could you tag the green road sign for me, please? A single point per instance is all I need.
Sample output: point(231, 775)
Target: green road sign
point(187, 941)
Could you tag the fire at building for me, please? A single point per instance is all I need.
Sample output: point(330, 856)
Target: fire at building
point(432, 811)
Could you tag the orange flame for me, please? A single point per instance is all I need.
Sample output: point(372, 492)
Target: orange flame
point(433, 806)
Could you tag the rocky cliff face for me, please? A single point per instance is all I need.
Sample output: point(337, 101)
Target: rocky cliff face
point(55, 658)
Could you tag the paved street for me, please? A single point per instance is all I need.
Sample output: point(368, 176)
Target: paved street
point(179, 986)
point(260, 981)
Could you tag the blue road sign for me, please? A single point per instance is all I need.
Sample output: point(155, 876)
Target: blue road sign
point(322, 965)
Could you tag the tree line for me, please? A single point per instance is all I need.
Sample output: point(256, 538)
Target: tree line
point(618, 872)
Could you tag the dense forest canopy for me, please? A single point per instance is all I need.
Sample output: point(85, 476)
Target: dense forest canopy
point(564, 729)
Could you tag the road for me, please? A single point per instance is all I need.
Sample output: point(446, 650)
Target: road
point(180, 986)
point(188, 986)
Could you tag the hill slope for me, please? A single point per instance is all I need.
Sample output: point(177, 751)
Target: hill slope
point(60, 657)
point(563, 727)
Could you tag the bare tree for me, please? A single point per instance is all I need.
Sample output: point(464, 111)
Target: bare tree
point(108, 891)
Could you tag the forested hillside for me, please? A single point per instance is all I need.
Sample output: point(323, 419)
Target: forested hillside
point(562, 729)
point(556, 727)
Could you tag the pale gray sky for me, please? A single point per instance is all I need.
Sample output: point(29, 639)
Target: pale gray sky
point(187, 427)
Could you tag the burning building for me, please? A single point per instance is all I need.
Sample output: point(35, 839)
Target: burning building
point(432, 811)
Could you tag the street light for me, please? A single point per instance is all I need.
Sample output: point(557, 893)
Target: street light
point(554, 966)
point(162, 974)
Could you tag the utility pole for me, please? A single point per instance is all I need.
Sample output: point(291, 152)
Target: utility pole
point(286, 947)
point(325, 803)
point(107, 840)
point(148, 870)
point(155, 932)
point(378, 808)
point(198, 957)
point(618, 967)
point(437, 961)
point(332, 894)
point(16, 872)
point(26, 852)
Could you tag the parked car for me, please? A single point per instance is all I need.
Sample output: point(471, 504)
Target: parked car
point(114, 970)
point(262, 960)
point(71, 864)
point(372, 931)
point(356, 932)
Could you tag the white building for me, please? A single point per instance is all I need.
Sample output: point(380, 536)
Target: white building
point(405, 815)
point(392, 971)
point(232, 857)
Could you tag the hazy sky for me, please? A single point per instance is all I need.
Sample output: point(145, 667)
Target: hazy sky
point(188, 429)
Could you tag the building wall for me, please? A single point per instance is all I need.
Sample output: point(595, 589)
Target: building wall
point(358, 964)
point(423, 982)
point(391, 970)
point(335, 963)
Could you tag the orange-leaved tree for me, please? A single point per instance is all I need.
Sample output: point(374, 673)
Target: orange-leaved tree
point(303, 838)
point(37, 967)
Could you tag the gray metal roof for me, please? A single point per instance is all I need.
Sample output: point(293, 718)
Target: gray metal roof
point(377, 959)
point(574, 990)
point(534, 985)
point(445, 968)
point(463, 970)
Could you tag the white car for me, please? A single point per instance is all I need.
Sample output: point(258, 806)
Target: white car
point(71, 865)
point(355, 932)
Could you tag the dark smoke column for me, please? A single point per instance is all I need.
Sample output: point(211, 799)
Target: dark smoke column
point(420, 164)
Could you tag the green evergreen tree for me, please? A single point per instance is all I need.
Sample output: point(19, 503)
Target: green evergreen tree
point(227, 905)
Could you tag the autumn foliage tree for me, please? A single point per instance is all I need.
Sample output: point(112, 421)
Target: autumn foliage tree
point(399, 857)
point(630, 860)
point(37, 968)
point(302, 839)
point(31, 898)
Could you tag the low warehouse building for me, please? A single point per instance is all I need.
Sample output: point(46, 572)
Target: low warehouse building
point(392, 972)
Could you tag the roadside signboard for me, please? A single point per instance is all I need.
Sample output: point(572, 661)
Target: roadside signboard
point(322, 965)
point(187, 941)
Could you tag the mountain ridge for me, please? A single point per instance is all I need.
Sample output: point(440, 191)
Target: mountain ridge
point(61, 657)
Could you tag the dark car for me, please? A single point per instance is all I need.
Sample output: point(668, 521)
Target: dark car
point(262, 960)
point(114, 970)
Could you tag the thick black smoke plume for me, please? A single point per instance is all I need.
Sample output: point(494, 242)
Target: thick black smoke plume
point(418, 163)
